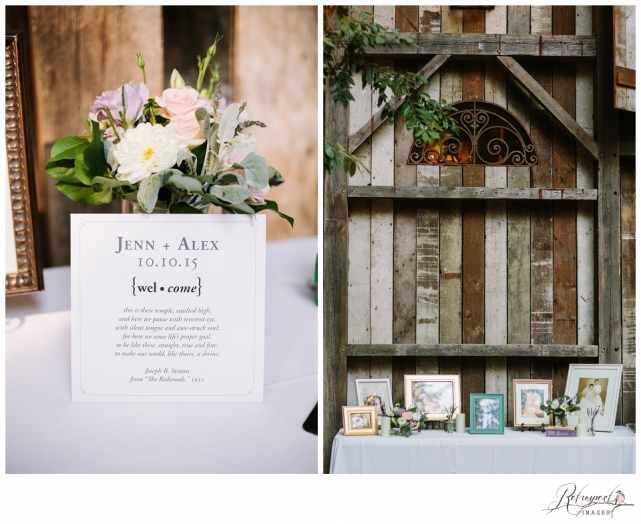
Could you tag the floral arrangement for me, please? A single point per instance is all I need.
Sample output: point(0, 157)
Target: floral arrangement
point(179, 152)
point(404, 421)
point(560, 407)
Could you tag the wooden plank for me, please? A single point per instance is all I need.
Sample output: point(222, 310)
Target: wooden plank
point(625, 76)
point(450, 241)
point(489, 350)
point(609, 205)
point(495, 212)
point(404, 232)
point(586, 248)
point(541, 218)
point(517, 367)
point(358, 136)
point(427, 365)
point(628, 287)
point(560, 374)
point(335, 272)
point(496, 20)
point(571, 46)
point(427, 232)
point(429, 17)
point(358, 299)
point(472, 379)
point(541, 20)
point(357, 367)
point(518, 19)
point(564, 220)
point(625, 57)
point(553, 107)
point(470, 193)
point(382, 223)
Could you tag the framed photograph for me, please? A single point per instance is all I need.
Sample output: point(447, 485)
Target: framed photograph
point(374, 392)
point(486, 413)
point(23, 270)
point(529, 394)
point(433, 394)
point(599, 387)
point(360, 420)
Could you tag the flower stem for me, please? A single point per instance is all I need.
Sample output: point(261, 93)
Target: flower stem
point(123, 111)
point(111, 123)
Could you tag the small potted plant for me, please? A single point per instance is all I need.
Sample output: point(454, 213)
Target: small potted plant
point(560, 407)
point(449, 421)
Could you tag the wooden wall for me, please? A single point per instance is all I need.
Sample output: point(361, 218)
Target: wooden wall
point(474, 272)
point(275, 70)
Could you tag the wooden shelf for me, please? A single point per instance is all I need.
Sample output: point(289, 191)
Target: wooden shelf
point(471, 350)
point(470, 193)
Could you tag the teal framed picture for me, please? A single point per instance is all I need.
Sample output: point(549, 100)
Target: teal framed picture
point(487, 413)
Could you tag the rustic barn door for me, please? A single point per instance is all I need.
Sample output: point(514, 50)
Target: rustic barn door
point(485, 271)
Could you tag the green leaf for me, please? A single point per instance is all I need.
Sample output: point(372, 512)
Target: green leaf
point(81, 193)
point(176, 81)
point(230, 178)
point(95, 153)
point(148, 192)
point(81, 170)
point(256, 171)
point(109, 182)
point(202, 115)
point(68, 148)
point(183, 208)
point(234, 194)
point(273, 206)
point(227, 127)
point(176, 178)
point(63, 171)
point(85, 121)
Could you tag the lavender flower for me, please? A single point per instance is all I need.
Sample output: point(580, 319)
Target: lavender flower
point(136, 96)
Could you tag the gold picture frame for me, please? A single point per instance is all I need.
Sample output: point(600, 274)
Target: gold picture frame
point(535, 392)
point(426, 391)
point(24, 270)
point(360, 420)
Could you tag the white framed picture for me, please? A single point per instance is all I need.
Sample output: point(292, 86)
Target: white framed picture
point(433, 394)
point(374, 392)
point(529, 394)
point(598, 386)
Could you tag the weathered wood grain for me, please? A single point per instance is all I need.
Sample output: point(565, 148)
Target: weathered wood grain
point(472, 379)
point(335, 273)
point(492, 350)
point(401, 366)
point(564, 219)
point(628, 286)
point(625, 57)
point(577, 47)
point(429, 17)
point(586, 212)
point(554, 108)
point(541, 217)
point(357, 367)
point(518, 19)
point(470, 193)
point(560, 368)
point(609, 204)
point(541, 20)
point(496, 378)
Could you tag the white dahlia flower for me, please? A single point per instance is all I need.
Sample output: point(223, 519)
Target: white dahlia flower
point(144, 150)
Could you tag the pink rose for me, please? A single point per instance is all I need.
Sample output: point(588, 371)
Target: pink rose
point(179, 101)
point(187, 129)
point(407, 415)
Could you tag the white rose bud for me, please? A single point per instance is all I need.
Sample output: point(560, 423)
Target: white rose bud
point(416, 416)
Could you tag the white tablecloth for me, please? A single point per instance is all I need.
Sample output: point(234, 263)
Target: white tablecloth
point(47, 433)
point(434, 451)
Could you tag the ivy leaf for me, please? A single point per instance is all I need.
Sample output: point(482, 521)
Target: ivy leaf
point(68, 148)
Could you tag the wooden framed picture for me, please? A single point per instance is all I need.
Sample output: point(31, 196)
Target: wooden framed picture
point(433, 394)
point(360, 420)
point(599, 387)
point(486, 413)
point(374, 392)
point(23, 271)
point(529, 394)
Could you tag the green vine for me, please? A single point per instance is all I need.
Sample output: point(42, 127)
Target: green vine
point(347, 33)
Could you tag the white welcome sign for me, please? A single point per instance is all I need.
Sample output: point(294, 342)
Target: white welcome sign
point(167, 308)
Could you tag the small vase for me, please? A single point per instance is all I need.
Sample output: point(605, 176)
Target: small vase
point(591, 430)
point(449, 426)
point(562, 420)
point(385, 426)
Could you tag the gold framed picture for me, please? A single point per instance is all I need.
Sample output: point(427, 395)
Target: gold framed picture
point(529, 394)
point(23, 271)
point(433, 394)
point(360, 420)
